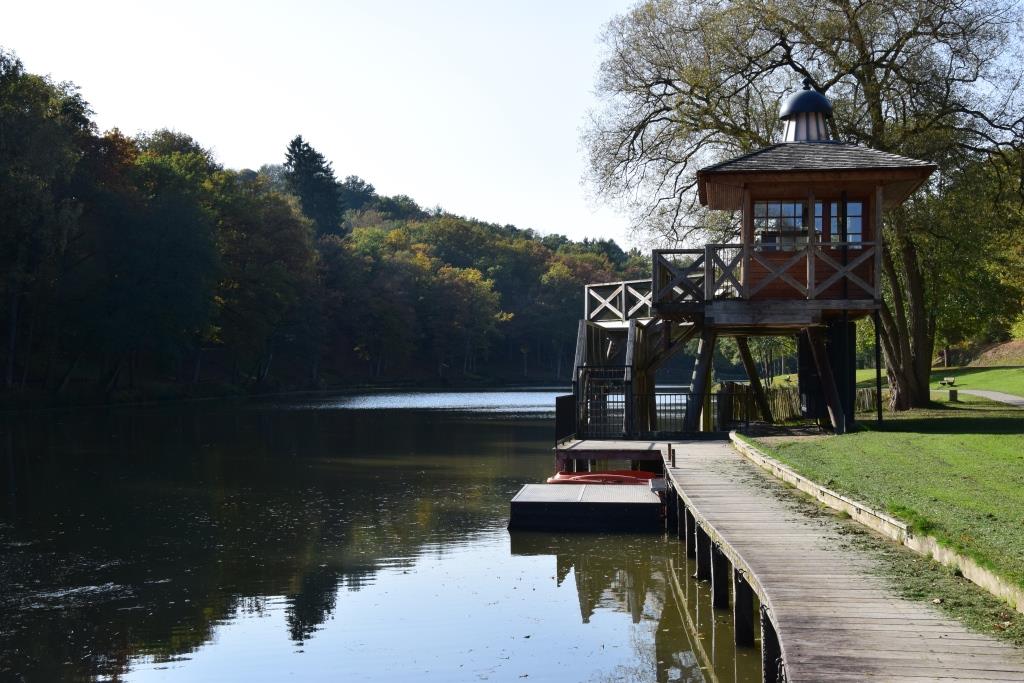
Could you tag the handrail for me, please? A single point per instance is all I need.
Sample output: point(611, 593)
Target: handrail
point(723, 271)
point(617, 301)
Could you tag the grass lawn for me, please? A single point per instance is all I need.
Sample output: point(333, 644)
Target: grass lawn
point(955, 471)
point(1007, 379)
point(865, 378)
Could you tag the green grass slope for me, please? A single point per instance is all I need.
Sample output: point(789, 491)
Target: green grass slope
point(955, 471)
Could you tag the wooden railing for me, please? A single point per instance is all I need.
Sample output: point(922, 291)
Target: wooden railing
point(617, 301)
point(679, 275)
point(737, 271)
point(844, 258)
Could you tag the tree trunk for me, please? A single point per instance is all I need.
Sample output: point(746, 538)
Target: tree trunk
point(66, 379)
point(558, 362)
point(28, 346)
point(197, 366)
point(908, 328)
point(314, 372)
point(12, 338)
point(115, 374)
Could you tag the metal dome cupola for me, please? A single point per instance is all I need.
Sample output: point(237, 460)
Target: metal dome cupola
point(805, 115)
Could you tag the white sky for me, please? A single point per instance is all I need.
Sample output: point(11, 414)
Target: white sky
point(474, 105)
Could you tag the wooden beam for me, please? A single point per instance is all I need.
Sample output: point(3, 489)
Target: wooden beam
point(703, 572)
point(828, 380)
point(701, 382)
point(680, 516)
point(878, 366)
point(581, 353)
point(755, 381)
point(812, 243)
point(879, 240)
point(742, 610)
point(690, 532)
point(747, 235)
point(720, 571)
point(771, 651)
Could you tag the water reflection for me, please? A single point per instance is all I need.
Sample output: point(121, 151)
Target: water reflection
point(649, 579)
point(243, 541)
point(518, 402)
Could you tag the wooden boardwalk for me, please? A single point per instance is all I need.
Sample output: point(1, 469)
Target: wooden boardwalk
point(835, 619)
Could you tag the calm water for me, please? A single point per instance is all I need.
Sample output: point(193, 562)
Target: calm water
point(352, 538)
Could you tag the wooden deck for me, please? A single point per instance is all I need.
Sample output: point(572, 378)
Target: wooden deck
point(586, 507)
point(835, 619)
point(583, 450)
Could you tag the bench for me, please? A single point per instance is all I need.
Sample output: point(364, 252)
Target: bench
point(947, 381)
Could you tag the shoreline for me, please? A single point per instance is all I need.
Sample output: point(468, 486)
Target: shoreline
point(40, 402)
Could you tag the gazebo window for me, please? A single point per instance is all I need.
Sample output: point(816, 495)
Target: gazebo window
point(854, 221)
point(779, 226)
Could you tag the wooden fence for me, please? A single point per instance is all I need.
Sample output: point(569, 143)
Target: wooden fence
point(739, 405)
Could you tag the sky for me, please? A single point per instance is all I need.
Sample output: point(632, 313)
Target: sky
point(473, 105)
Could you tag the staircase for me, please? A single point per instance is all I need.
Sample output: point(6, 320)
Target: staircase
point(619, 347)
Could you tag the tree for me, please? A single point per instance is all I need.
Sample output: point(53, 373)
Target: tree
point(311, 178)
point(689, 83)
point(356, 194)
point(42, 128)
point(159, 259)
point(268, 262)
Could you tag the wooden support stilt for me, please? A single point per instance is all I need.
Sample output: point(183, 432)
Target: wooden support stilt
point(878, 362)
point(701, 380)
point(682, 514)
point(720, 567)
point(755, 380)
point(742, 610)
point(690, 533)
point(828, 381)
point(703, 549)
point(671, 510)
point(771, 653)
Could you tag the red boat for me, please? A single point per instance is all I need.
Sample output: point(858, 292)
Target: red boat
point(607, 477)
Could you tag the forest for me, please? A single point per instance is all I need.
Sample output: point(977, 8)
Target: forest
point(140, 265)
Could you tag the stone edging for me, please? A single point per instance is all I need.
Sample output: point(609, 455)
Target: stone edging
point(886, 525)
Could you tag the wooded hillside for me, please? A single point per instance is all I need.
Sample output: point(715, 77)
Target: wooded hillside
point(142, 261)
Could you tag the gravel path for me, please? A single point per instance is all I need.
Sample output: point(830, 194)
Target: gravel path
point(999, 396)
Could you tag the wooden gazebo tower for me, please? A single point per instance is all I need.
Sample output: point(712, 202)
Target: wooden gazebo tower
point(807, 263)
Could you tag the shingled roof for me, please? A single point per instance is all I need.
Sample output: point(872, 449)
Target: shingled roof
point(720, 186)
point(813, 156)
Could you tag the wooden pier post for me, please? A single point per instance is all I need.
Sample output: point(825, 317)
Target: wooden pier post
point(680, 519)
point(828, 382)
point(720, 566)
point(672, 510)
point(771, 652)
point(742, 610)
point(690, 534)
point(701, 382)
point(755, 380)
point(703, 549)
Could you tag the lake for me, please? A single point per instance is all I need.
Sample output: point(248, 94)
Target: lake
point(348, 537)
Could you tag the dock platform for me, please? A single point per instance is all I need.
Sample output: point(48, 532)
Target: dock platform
point(834, 617)
point(586, 507)
point(583, 450)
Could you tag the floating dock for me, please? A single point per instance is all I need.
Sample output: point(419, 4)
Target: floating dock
point(586, 507)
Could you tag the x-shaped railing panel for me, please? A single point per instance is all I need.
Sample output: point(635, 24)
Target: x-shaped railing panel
point(679, 282)
point(844, 270)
